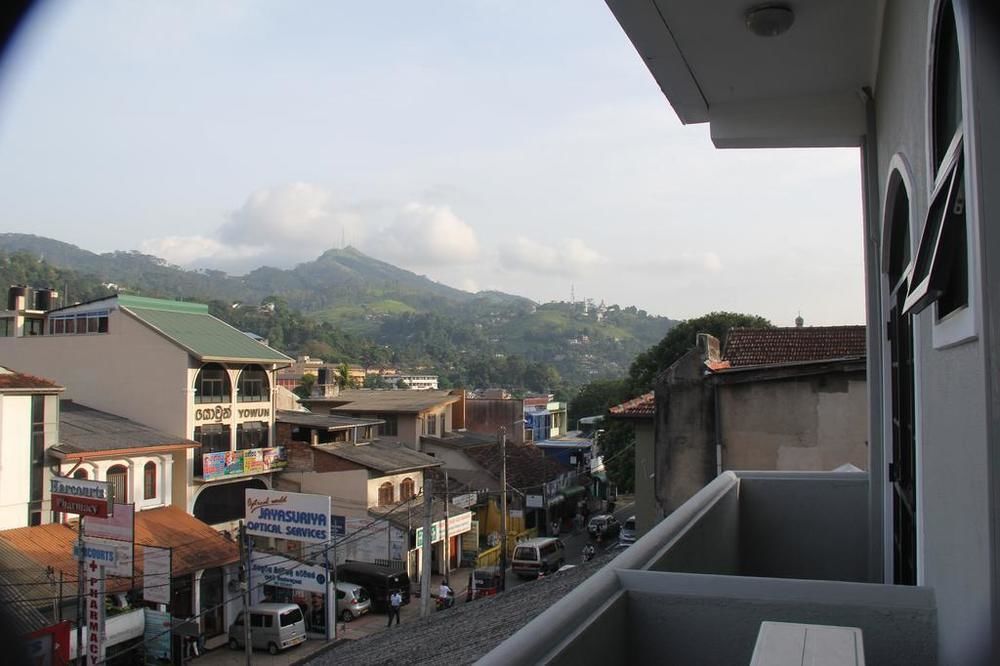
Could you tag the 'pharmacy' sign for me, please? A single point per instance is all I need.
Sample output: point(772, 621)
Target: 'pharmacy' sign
point(295, 516)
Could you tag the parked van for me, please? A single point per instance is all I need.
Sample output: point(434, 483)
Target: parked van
point(538, 556)
point(275, 627)
point(377, 580)
point(352, 601)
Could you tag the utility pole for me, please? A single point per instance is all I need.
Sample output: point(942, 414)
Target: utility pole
point(503, 508)
point(245, 589)
point(447, 541)
point(425, 553)
point(81, 659)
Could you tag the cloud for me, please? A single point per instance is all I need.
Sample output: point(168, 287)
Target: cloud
point(573, 257)
point(680, 264)
point(289, 224)
point(426, 235)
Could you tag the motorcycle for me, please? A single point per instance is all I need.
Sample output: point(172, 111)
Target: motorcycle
point(441, 603)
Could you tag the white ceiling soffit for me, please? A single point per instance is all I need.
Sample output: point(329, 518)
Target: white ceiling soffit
point(801, 88)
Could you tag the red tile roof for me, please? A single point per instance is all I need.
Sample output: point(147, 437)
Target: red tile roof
point(13, 380)
point(642, 407)
point(775, 346)
point(527, 466)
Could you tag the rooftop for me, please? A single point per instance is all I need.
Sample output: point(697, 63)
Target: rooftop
point(774, 346)
point(83, 430)
point(461, 439)
point(323, 421)
point(382, 401)
point(527, 466)
point(12, 381)
point(385, 457)
point(194, 546)
point(643, 407)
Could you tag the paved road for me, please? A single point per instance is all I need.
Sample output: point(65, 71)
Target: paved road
point(575, 542)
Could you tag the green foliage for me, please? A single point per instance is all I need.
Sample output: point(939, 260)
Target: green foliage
point(595, 398)
point(618, 448)
point(679, 340)
point(305, 387)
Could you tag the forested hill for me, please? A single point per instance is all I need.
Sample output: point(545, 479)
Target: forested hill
point(347, 306)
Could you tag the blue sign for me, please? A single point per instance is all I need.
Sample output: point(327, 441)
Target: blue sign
point(338, 526)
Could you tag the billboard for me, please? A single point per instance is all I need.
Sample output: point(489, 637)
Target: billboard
point(284, 572)
point(156, 574)
point(120, 525)
point(222, 464)
point(80, 496)
point(295, 516)
point(114, 556)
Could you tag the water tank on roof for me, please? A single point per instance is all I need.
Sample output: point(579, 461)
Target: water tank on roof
point(16, 291)
point(321, 379)
point(45, 299)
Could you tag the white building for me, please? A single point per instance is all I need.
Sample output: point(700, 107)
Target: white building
point(414, 382)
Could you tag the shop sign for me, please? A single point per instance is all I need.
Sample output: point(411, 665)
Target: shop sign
point(338, 526)
point(459, 524)
point(80, 496)
point(114, 556)
point(156, 574)
point(213, 414)
point(94, 611)
point(516, 514)
point(295, 516)
point(119, 526)
point(156, 637)
point(465, 501)
point(49, 645)
point(283, 572)
point(534, 501)
point(222, 464)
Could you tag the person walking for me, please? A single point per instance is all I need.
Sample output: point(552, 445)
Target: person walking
point(395, 601)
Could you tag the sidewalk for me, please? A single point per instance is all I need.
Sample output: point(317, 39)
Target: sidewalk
point(367, 625)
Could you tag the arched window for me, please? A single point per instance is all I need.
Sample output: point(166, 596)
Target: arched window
point(253, 386)
point(902, 393)
point(385, 494)
point(212, 384)
point(941, 267)
point(80, 474)
point(118, 480)
point(406, 489)
point(149, 480)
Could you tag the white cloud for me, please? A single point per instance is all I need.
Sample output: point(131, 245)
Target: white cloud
point(573, 257)
point(680, 264)
point(188, 250)
point(426, 235)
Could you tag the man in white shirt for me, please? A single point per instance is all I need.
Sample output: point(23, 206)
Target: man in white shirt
point(445, 594)
point(395, 601)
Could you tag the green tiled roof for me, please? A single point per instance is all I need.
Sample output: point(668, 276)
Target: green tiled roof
point(190, 326)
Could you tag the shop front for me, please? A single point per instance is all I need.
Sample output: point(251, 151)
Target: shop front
point(281, 579)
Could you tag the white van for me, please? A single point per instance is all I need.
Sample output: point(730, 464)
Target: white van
point(272, 626)
point(538, 556)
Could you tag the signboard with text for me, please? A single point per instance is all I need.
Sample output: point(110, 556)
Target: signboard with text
point(288, 573)
point(156, 637)
point(295, 516)
point(534, 501)
point(80, 496)
point(114, 556)
point(221, 464)
point(120, 525)
point(156, 574)
point(94, 611)
point(459, 524)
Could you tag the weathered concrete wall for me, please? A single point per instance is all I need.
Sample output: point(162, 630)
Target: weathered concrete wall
point(684, 452)
point(812, 423)
point(647, 513)
point(487, 415)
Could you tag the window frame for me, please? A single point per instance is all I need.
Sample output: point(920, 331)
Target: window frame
point(149, 479)
point(123, 471)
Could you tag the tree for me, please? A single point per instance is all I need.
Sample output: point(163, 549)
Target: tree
point(343, 376)
point(617, 444)
point(595, 398)
point(402, 384)
point(305, 387)
point(679, 340)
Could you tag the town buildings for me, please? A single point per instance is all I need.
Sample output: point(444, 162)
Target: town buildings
point(173, 367)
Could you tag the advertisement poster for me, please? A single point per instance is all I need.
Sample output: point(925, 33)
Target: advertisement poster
point(156, 574)
point(213, 465)
point(234, 463)
point(253, 461)
point(275, 458)
point(119, 526)
point(156, 637)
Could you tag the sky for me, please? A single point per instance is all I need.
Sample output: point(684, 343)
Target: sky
point(488, 144)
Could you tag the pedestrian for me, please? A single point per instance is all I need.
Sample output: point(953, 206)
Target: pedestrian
point(395, 601)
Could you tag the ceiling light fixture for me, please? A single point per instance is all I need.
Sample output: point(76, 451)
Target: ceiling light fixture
point(769, 20)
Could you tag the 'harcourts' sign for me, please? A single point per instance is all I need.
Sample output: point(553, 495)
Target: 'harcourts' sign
point(295, 516)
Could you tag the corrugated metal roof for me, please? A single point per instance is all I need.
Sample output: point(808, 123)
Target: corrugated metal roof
point(194, 545)
point(380, 456)
point(328, 421)
point(384, 401)
point(201, 334)
point(86, 430)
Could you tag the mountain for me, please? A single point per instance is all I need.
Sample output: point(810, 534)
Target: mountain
point(347, 306)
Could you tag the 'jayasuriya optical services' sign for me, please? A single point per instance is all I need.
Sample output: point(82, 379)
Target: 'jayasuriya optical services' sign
point(295, 516)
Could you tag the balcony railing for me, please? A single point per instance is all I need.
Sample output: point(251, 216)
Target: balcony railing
point(241, 462)
point(749, 547)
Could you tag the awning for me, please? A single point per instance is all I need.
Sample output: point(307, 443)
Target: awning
point(572, 492)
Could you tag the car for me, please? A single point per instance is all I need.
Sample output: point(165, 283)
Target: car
point(603, 527)
point(352, 601)
point(628, 531)
point(538, 556)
